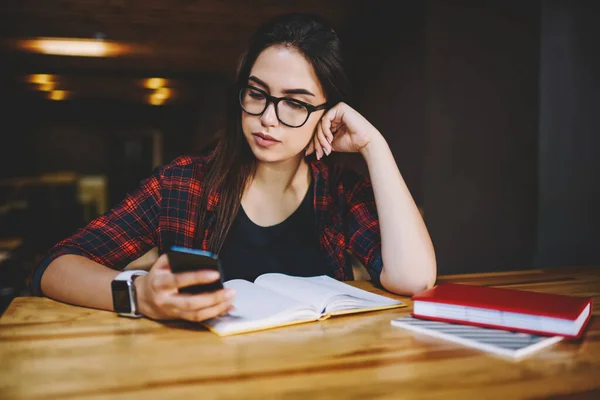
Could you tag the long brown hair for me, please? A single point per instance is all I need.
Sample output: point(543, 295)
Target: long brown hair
point(232, 164)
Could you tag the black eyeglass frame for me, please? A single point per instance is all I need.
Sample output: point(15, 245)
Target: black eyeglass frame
point(275, 100)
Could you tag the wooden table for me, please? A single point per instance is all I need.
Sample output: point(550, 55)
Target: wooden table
point(57, 351)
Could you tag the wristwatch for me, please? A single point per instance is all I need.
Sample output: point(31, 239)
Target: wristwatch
point(123, 293)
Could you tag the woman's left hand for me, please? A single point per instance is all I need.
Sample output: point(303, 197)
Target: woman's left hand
point(341, 129)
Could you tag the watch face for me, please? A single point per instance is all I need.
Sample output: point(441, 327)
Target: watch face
point(120, 293)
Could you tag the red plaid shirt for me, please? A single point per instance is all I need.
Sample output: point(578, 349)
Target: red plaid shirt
point(163, 211)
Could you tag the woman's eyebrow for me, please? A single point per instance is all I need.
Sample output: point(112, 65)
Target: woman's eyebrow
point(285, 91)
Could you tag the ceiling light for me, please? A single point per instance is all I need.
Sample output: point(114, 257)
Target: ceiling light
point(155, 101)
point(162, 93)
point(155, 83)
point(57, 95)
point(74, 47)
point(47, 87)
point(40, 79)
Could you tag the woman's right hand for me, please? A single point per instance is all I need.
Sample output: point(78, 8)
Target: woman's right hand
point(158, 296)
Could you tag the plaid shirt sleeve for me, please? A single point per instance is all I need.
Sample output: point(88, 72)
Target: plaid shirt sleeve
point(361, 224)
point(116, 238)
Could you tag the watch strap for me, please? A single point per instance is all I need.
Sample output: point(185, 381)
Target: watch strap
point(129, 274)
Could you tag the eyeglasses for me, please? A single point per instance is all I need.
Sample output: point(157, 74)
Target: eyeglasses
point(290, 112)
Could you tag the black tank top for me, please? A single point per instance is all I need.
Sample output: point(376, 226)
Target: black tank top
point(290, 247)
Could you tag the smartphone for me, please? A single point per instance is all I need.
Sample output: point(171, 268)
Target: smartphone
point(182, 259)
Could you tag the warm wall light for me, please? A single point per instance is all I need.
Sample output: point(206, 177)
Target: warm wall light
point(57, 95)
point(155, 83)
point(74, 47)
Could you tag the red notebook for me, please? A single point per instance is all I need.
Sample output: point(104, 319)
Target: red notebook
point(509, 309)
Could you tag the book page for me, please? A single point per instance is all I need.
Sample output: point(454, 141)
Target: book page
point(324, 293)
point(257, 308)
point(301, 289)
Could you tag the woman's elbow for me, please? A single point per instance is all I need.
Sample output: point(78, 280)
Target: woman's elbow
point(411, 283)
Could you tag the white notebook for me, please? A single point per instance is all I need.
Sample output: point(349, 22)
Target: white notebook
point(514, 345)
point(275, 300)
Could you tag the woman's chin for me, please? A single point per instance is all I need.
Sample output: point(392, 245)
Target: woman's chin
point(270, 156)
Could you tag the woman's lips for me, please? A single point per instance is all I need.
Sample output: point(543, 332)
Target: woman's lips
point(264, 140)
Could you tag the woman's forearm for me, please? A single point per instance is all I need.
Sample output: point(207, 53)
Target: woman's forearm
point(409, 264)
point(78, 280)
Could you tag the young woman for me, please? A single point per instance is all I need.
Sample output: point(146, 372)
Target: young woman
point(261, 198)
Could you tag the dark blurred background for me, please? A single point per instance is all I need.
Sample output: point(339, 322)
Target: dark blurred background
point(490, 107)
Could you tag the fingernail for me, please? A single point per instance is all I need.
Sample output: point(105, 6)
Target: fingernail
point(229, 293)
point(212, 275)
point(226, 312)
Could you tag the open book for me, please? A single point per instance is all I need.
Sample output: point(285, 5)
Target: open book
point(276, 300)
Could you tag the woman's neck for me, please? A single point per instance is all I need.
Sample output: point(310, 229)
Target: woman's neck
point(281, 177)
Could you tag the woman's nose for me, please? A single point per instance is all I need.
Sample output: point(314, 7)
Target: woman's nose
point(269, 116)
